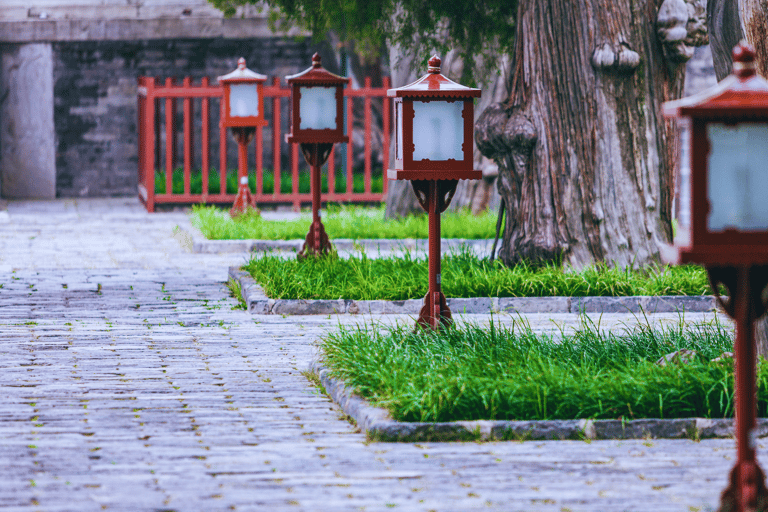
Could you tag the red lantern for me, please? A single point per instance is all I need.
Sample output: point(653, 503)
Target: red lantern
point(729, 235)
point(243, 97)
point(317, 101)
point(434, 119)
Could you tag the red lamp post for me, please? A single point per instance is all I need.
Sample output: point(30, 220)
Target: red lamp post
point(317, 122)
point(729, 236)
point(242, 111)
point(434, 119)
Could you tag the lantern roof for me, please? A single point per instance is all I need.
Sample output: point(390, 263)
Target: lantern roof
point(741, 92)
point(434, 85)
point(316, 74)
point(241, 74)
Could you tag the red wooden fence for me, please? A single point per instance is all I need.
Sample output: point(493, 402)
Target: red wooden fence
point(150, 94)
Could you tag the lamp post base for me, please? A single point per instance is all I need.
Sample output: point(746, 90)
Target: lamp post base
point(316, 243)
point(434, 313)
point(243, 202)
point(748, 477)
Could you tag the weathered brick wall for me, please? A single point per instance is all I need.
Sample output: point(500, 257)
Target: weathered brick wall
point(95, 100)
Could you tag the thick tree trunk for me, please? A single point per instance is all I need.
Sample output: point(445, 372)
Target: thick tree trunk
point(585, 158)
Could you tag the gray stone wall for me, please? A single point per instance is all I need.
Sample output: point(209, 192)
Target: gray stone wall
point(96, 109)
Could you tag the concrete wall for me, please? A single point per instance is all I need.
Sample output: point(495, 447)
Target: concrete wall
point(27, 141)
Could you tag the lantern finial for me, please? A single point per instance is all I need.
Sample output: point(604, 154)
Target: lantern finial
point(744, 60)
point(241, 63)
point(434, 64)
point(316, 60)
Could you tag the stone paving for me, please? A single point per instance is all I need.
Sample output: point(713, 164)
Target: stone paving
point(131, 384)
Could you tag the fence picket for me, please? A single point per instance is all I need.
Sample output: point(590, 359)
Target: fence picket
point(205, 113)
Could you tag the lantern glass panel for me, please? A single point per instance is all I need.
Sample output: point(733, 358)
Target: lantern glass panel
point(317, 108)
point(438, 130)
point(737, 177)
point(683, 209)
point(243, 100)
point(399, 125)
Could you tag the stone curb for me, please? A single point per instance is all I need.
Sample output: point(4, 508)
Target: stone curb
point(258, 303)
point(378, 425)
point(200, 244)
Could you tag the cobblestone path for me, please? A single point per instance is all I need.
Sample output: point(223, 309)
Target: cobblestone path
point(141, 389)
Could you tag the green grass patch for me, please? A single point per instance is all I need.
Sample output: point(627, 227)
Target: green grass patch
point(341, 222)
point(511, 373)
point(286, 181)
point(463, 275)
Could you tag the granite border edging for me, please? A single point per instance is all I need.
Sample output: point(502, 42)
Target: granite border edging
point(200, 244)
point(378, 425)
point(258, 303)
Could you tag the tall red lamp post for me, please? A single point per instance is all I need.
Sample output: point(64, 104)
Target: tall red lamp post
point(317, 123)
point(728, 235)
point(434, 146)
point(242, 111)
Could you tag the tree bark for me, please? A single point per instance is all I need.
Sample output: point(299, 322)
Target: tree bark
point(725, 33)
point(585, 159)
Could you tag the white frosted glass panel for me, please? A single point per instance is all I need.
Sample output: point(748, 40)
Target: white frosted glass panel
point(317, 108)
point(438, 130)
point(243, 100)
point(684, 176)
point(399, 125)
point(737, 186)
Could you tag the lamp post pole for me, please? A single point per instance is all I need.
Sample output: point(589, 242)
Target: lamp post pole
point(434, 196)
point(244, 199)
point(437, 299)
point(242, 151)
point(316, 242)
point(746, 491)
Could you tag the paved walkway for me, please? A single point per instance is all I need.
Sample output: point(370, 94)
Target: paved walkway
point(131, 384)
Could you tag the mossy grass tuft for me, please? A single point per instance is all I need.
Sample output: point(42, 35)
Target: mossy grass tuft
point(341, 221)
point(236, 293)
point(464, 274)
point(511, 373)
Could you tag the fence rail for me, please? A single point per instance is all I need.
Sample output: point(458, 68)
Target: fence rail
point(153, 152)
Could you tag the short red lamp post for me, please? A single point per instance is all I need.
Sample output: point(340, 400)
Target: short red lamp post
point(434, 122)
point(242, 111)
point(317, 122)
point(729, 236)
